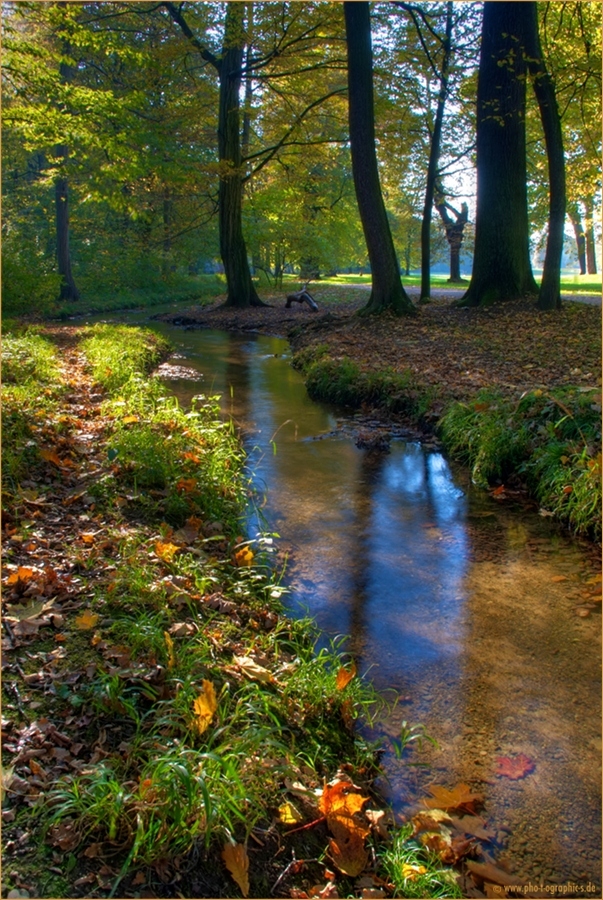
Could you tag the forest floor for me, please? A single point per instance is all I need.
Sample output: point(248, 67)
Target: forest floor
point(511, 348)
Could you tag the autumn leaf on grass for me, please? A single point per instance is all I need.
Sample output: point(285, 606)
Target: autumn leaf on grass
point(166, 551)
point(205, 706)
point(288, 814)
point(169, 643)
point(237, 863)
point(459, 796)
point(186, 485)
point(514, 767)
point(191, 456)
point(129, 420)
point(252, 669)
point(87, 620)
point(344, 676)
point(410, 872)
point(243, 557)
point(348, 853)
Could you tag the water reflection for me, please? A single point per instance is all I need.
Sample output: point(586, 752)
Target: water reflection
point(462, 607)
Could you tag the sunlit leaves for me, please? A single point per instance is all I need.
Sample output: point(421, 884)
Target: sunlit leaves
point(87, 620)
point(340, 803)
point(166, 550)
point(204, 707)
point(288, 814)
point(244, 557)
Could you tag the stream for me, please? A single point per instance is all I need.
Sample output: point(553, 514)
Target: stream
point(477, 613)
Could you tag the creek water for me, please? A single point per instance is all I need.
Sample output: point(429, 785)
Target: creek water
point(462, 606)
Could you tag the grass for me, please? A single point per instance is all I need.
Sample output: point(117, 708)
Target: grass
point(551, 439)
point(341, 381)
point(416, 872)
point(198, 698)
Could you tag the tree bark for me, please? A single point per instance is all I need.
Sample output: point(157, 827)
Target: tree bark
point(434, 158)
point(387, 291)
point(241, 290)
point(549, 296)
point(501, 265)
point(580, 236)
point(591, 256)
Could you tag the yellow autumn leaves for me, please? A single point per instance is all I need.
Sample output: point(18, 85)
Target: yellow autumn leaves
point(204, 707)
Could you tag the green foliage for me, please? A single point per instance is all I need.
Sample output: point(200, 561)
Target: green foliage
point(552, 439)
point(116, 358)
point(426, 878)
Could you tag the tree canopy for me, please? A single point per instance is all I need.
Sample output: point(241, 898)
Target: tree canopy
point(146, 142)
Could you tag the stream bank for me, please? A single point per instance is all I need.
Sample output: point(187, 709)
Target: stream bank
point(463, 374)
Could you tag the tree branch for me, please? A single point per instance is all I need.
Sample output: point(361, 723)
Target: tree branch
point(178, 18)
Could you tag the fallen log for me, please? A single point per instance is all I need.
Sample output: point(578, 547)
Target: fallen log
point(302, 297)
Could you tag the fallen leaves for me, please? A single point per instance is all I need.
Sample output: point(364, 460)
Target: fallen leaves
point(243, 557)
point(237, 862)
point(514, 767)
point(204, 707)
point(87, 620)
point(458, 797)
point(340, 804)
point(166, 550)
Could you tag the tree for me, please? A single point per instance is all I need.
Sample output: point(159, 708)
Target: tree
point(549, 296)
point(387, 291)
point(501, 264)
point(454, 229)
point(229, 65)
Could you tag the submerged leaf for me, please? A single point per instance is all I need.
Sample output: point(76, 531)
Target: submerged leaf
point(461, 795)
point(237, 863)
point(514, 767)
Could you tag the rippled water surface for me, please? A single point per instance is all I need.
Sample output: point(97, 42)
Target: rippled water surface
point(463, 606)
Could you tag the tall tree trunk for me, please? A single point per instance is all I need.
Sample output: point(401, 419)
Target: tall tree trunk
point(241, 290)
point(580, 236)
point(549, 296)
point(501, 264)
point(434, 158)
point(387, 291)
point(591, 255)
point(68, 290)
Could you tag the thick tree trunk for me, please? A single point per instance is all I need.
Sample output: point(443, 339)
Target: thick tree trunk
point(241, 290)
point(387, 291)
point(434, 158)
point(591, 255)
point(580, 240)
point(549, 296)
point(501, 265)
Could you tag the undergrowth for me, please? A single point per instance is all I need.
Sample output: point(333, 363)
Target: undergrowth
point(196, 702)
point(551, 439)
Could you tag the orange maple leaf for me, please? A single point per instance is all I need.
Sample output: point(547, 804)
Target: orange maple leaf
point(166, 550)
point(87, 620)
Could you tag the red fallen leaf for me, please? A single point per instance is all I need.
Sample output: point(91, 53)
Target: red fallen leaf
point(514, 767)
point(498, 491)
